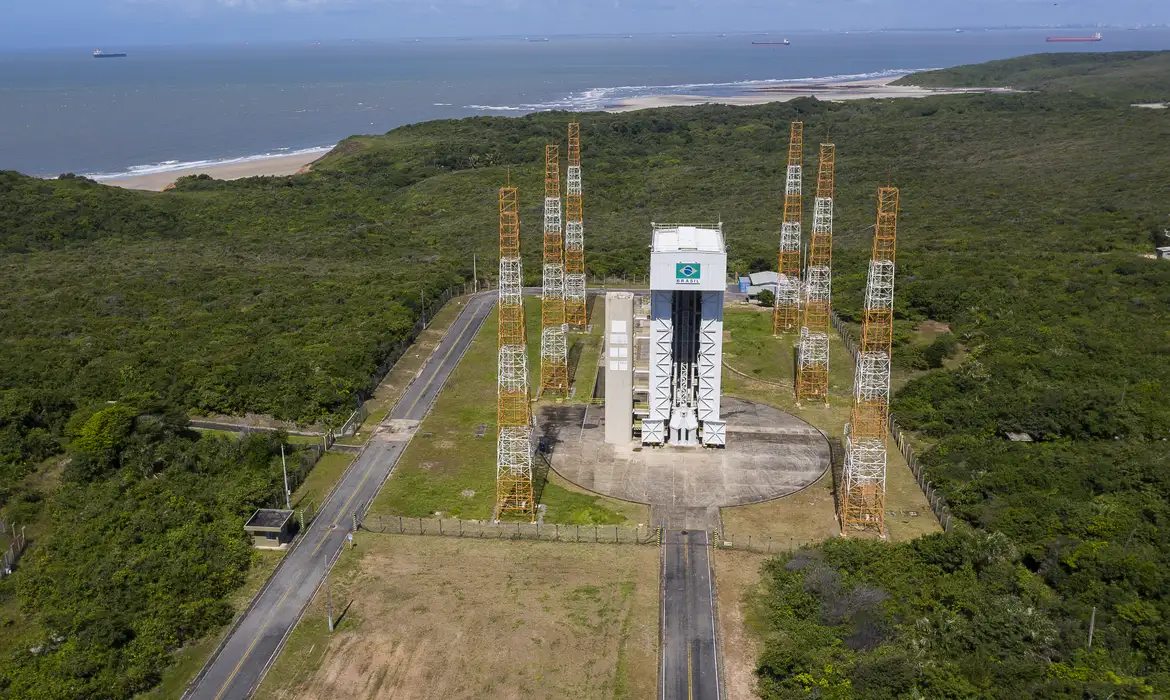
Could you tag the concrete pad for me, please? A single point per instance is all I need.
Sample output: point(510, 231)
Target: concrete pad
point(769, 454)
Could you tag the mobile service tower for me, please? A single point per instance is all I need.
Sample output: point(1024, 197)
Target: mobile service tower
point(688, 277)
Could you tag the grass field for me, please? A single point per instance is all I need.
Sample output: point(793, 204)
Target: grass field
point(807, 516)
point(737, 576)
point(404, 370)
point(428, 617)
point(448, 469)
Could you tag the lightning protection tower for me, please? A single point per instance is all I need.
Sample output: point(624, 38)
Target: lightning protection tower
point(863, 503)
point(554, 363)
point(574, 236)
point(787, 312)
point(812, 372)
point(513, 420)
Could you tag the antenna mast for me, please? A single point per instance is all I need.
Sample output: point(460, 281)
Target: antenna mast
point(863, 504)
point(513, 420)
point(787, 312)
point(812, 373)
point(554, 365)
point(575, 315)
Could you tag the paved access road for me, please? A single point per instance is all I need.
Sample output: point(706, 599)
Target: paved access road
point(690, 662)
point(236, 669)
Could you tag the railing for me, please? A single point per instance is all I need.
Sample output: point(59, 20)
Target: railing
point(18, 543)
point(938, 503)
point(484, 529)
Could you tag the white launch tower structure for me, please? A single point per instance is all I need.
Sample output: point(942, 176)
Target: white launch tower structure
point(688, 277)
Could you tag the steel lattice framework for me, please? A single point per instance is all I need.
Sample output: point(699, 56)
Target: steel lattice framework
point(554, 360)
point(812, 372)
point(787, 312)
point(513, 420)
point(864, 499)
point(575, 315)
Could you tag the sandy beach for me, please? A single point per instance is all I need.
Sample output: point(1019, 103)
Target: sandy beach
point(878, 88)
point(278, 165)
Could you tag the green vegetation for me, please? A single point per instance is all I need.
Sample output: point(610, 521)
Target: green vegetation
point(144, 551)
point(1025, 222)
point(1136, 76)
point(448, 469)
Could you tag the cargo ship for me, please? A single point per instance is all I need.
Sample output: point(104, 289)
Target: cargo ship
point(772, 43)
point(102, 54)
point(1095, 37)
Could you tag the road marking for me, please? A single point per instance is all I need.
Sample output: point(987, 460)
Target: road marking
point(443, 361)
point(264, 626)
point(356, 490)
point(325, 536)
point(690, 676)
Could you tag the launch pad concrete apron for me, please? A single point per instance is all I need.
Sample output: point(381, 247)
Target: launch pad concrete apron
point(773, 454)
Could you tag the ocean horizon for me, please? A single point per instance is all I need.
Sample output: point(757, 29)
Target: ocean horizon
point(165, 109)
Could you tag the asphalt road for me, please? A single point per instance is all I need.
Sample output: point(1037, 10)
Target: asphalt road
point(238, 666)
point(690, 662)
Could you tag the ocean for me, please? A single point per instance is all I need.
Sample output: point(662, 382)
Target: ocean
point(169, 108)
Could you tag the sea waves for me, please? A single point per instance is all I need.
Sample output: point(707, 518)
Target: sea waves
point(596, 99)
point(168, 166)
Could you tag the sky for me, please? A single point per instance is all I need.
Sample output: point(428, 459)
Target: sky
point(28, 24)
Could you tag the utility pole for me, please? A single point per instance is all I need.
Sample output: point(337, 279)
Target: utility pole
point(1092, 624)
point(423, 302)
point(474, 275)
point(284, 468)
point(329, 602)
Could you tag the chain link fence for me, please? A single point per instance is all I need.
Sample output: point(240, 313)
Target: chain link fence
point(938, 503)
point(14, 536)
point(485, 529)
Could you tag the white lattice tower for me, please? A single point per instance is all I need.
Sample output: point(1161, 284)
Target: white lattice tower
point(554, 354)
point(786, 314)
point(812, 375)
point(514, 490)
point(574, 235)
point(864, 478)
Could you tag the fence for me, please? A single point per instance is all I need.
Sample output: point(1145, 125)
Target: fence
point(298, 463)
point(760, 544)
point(484, 529)
point(354, 422)
point(938, 504)
point(15, 548)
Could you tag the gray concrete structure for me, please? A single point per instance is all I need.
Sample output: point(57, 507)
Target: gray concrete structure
point(270, 528)
point(619, 367)
point(771, 454)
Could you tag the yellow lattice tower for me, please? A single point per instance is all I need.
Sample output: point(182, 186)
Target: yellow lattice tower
point(812, 375)
point(575, 314)
point(863, 503)
point(514, 423)
point(787, 311)
point(554, 365)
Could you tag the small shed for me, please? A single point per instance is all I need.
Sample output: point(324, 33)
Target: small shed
point(1163, 253)
point(270, 528)
point(744, 283)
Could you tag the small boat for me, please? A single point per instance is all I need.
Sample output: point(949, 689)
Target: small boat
point(1095, 37)
point(772, 43)
point(102, 54)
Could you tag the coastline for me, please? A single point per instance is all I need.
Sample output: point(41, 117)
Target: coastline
point(275, 165)
point(829, 90)
point(874, 88)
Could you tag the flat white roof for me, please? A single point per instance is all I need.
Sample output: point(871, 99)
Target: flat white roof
point(673, 238)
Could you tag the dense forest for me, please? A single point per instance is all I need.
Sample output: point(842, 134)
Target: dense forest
point(1027, 223)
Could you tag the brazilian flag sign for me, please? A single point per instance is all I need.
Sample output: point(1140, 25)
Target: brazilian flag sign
point(686, 273)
